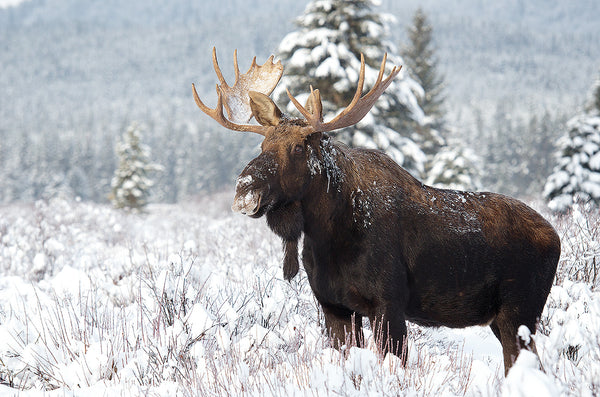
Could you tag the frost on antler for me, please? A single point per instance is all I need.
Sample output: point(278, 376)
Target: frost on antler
point(261, 79)
point(235, 99)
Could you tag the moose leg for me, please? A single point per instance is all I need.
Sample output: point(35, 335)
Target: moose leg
point(496, 331)
point(343, 326)
point(506, 324)
point(389, 331)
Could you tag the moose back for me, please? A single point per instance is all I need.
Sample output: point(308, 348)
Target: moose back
point(377, 242)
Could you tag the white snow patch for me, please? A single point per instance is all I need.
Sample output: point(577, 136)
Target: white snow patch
point(243, 181)
point(199, 320)
point(525, 379)
point(525, 334)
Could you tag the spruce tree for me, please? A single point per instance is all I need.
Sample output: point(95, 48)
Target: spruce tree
point(325, 52)
point(448, 165)
point(419, 55)
point(454, 167)
point(596, 95)
point(539, 149)
point(576, 177)
point(131, 182)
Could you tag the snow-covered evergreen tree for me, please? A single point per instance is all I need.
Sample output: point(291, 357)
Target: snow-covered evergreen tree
point(325, 53)
point(539, 148)
point(450, 166)
point(596, 94)
point(454, 167)
point(576, 177)
point(131, 182)
point(419, 55)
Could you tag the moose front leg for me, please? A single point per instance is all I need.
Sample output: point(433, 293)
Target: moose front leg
point(344, 326)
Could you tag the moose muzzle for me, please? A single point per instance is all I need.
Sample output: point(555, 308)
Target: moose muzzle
point(247, 199)
point(246, 204)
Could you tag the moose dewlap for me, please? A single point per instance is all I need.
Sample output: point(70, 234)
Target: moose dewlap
point(377, 242)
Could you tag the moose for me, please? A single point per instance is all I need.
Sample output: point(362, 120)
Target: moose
point(376, 241)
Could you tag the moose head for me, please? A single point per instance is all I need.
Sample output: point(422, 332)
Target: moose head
point(280, 174)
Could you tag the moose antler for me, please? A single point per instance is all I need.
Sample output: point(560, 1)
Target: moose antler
point(356, 110)
point(235, 98)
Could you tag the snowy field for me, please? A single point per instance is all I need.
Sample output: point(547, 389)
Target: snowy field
point(190, 299)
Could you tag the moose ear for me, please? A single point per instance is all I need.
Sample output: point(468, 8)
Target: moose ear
point(264, 109)
point(313, 103)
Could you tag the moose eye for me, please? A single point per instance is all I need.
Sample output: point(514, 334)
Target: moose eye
point(299, 150)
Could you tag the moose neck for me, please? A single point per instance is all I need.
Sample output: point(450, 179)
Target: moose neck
point(326, 203)
point(350, 186)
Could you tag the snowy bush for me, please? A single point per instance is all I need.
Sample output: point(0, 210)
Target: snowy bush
point(190, 300)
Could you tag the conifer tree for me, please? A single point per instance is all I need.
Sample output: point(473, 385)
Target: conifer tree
point(131, 182)
point(419, 55)
point(448, 165)
point(542, 134)
point(576, 177)
point(325, 52)
point(596, 95)
point(454, 167)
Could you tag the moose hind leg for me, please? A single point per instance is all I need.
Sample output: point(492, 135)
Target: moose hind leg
point(507, 326)
point(496, 331)
point(343, 326)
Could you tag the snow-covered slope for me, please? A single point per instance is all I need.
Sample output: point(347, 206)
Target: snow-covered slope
point(190, 300)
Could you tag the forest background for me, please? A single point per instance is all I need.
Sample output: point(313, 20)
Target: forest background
point(76, 74)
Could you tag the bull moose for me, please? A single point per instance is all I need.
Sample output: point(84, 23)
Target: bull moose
point(378, 242)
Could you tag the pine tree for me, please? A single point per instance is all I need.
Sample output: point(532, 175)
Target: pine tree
point(576, 177)
point(422, 63)
point(325, 53)
point(596, 95)
point(131, 183)
point(448, 165)
point(454, 167)
point(539, 150)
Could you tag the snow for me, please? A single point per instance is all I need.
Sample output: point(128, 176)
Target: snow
point(525, 334)
point(187, 299)
point(314, 166)
point(454, 168)
point(10, 3)
point(243, 181)
point(199, 320)
point(525, 379)
point(329, 67)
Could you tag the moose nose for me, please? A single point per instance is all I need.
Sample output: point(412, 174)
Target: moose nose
point(247, 204)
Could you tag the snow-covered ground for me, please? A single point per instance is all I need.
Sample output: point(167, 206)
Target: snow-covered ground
point(190, 299)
